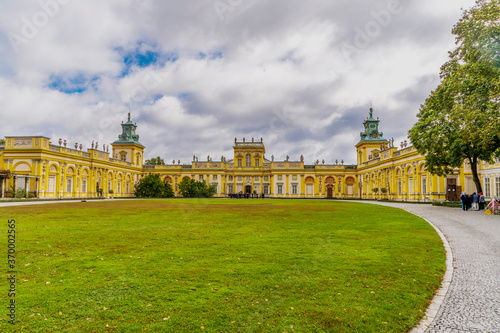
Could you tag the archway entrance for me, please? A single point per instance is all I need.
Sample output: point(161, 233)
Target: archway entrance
point(248, 189)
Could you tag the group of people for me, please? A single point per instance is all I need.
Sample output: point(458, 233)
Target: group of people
point(475, 201)
point(245, 195)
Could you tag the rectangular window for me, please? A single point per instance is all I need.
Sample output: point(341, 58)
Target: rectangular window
point(309, 189)
point(230, 189)
point(123, 157)
point(497, 186)
point(110, 185)
point(248, 161)
point(215, 177)
point(294, 177)
point(240, 178)
point(256, 178)
point(119, 188)
point(69, 185)
point(52, 184)
point(201, 177)
point(266, 189)
point(487, 187)
point(84, 185)
point(257, 163)
point(424, 185)
point(410, 185)
point(280, 189)
point(239, 163)
point(266, 178)
point(230, 178)
point(294, 189)
point(399, 186)
point(128, 187)
point(20, 182)
point(280, 177)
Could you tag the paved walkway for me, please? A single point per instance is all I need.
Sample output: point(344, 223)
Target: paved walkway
point(472, 302)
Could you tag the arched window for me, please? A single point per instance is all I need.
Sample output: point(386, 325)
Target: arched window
point(249, 161)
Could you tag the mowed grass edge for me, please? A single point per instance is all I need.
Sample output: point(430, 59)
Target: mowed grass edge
point(222, 266)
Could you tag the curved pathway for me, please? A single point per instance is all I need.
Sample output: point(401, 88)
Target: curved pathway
point(472, 301)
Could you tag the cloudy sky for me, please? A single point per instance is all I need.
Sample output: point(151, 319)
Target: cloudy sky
point(196, 74)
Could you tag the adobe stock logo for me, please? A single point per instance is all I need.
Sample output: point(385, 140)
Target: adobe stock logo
point(371, 30)
point(31, 27)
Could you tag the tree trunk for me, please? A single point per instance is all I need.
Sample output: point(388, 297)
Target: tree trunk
point(475, 176)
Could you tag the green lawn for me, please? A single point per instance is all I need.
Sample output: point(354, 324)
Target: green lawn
point(221, 266)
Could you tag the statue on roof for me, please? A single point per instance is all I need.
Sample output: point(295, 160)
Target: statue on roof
point(371, 112)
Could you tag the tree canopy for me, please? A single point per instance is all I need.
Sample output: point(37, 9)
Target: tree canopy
point(152, 186)
point(155, 161)
point(191, 188)
point(460, 120)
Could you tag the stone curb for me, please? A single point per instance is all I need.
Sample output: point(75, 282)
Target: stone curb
point(438, 299)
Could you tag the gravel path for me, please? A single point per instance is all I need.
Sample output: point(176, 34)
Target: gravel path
point(472, 301)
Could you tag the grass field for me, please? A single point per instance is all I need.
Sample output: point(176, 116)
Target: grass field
point(220, 266)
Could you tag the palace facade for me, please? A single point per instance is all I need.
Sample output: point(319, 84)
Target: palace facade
point(34, 167)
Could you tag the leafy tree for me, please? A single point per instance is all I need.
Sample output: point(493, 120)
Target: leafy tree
point(460, 120)
point(196, 189)
point(155, 161)
point(152, 186)
point(2, 142)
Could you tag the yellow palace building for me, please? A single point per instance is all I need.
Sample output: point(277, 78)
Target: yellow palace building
point(33, 166)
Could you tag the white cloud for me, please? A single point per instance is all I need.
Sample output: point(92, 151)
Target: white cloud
point(272, 69)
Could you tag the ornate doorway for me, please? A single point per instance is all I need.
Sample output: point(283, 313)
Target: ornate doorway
point(248, 189)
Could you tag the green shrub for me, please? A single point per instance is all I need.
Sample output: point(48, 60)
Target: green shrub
point(152, 186)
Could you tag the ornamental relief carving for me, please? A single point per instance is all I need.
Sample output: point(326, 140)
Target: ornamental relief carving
point(23, 142)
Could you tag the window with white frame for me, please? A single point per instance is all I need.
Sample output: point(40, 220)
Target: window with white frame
point(69, 184)
point(230, 189)
point(248, 161)
point(487, 187)
point(230, 178)
point(52, 184)
point(294, 177)
point(239, 163)
point(280, 189)
point(201, 177)
point(84, 185)
point(424, 185)
point(497, 186)
point(119, 187)
point(399, 186)
point(280, 177)
point(257, 163)
point(110, 185)
point(266, 178)
point(215, 177)
point(128, 187)
point(266, 189)
point(294, 189)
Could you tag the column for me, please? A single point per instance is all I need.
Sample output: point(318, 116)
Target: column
point(37, 179)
